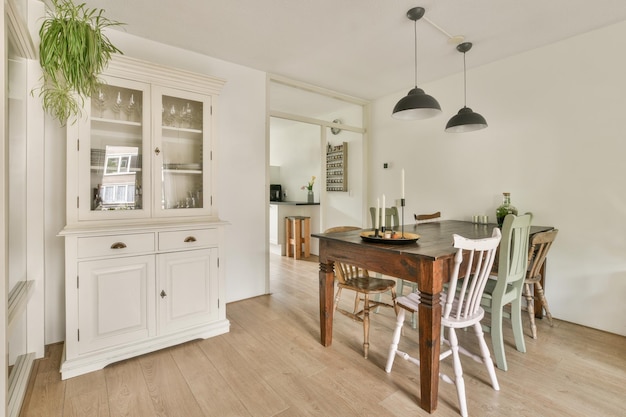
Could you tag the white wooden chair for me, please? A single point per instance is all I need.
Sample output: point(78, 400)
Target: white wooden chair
point(461, 309)
point(350, 277)
point(540, 244)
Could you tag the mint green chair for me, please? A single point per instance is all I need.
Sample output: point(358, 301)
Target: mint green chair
point(508, 288)
point(392, 218)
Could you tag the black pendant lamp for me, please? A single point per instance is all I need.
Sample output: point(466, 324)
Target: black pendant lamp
point(465, 120)
point(416, 105)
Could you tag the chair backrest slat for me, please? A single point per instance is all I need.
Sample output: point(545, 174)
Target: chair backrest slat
point(513, 257)
point(343, 271)
point(476, 256)
point(540, 245)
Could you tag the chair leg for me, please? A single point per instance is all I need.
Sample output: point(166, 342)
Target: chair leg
point(458, 372)
point(544, 302)
point(357, 302)
point(366, 325)
point(497, 340)
point(337, 297)
point(516, 322)
point(393, 348)
point(484, 351)
point(530, 307)
point(400, 285)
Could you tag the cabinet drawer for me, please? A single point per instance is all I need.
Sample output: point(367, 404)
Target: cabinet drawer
point(187, 239)
point(115, 245)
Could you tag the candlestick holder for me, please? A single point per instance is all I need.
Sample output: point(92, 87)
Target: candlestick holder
point(402, 215)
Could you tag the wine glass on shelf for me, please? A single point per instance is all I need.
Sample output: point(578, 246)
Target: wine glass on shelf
point(169, 115)
point(129, 109)
point(187, 114)
point(100, 102)
point(117, 106)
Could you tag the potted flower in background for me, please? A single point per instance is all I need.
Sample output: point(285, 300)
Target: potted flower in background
point(309, 187)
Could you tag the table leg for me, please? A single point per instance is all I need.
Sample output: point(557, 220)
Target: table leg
point(430, 279)
point(327, 289)
point(429, 340)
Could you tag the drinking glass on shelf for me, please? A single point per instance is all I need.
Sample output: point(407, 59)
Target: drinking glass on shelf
point(129, 109)
point(187, 114)
point(117, 105)
point(100, 102)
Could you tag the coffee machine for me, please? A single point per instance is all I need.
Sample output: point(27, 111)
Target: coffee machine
point(276, 192)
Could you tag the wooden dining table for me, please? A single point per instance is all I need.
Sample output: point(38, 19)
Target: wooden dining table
point(427, 262)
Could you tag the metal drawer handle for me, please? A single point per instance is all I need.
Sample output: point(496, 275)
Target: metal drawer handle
point(190, 239)
point(157, 151)
point(163, 294)
point(118, 245)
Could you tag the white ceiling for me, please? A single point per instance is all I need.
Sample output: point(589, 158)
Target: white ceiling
point(363, 48)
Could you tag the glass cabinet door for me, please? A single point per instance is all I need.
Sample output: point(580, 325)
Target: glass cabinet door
point(181, 155)
point(116, 180)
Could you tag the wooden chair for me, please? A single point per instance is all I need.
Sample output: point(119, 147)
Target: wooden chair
point(507, 288)
point(460, 310)
point(540, 244)
point(425, 217)
point(392, 218)
point(350, 277)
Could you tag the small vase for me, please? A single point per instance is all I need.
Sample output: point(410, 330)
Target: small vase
point(505, 208)
point(310, 196)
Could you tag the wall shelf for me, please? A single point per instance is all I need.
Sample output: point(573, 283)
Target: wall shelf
point(337, 167)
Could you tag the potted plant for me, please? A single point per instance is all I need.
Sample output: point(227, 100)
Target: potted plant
point(72, 54)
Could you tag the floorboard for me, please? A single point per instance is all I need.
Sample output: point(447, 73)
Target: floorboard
point(271, 364)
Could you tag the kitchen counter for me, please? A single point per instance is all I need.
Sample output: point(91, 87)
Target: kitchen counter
point(294, 203)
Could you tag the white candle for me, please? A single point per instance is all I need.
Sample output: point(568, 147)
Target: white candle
point(402, 183)
point(377, 213)
point(383, 219)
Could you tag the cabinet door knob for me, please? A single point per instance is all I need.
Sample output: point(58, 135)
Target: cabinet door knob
point(157, 151)
point(190, 239)
point(163, 294)
point(118, 245)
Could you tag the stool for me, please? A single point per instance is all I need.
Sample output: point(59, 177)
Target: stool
point(297, 233)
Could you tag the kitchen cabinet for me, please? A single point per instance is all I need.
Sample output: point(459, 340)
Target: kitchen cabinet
point(143, 237)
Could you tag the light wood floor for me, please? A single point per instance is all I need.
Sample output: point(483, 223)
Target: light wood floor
point(272, 364)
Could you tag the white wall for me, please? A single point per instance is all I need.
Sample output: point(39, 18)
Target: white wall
point(296, 148)
point(555, 141)
point(242, 198)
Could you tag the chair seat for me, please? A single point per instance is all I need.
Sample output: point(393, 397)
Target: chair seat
point(411, 302)
point(368, 284)
point(489, 287)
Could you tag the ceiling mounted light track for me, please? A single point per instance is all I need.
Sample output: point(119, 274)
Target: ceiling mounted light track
point(416, 105)
point(465, 120)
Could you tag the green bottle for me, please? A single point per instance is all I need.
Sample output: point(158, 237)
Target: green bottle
point(505, 208)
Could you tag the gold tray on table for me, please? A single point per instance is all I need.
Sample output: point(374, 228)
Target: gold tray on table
point(397, 238)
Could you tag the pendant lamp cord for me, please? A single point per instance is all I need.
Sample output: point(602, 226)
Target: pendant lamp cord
point(415, 31)
point(464, 82)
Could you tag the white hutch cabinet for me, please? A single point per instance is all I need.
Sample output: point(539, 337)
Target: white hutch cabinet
point(143, 237)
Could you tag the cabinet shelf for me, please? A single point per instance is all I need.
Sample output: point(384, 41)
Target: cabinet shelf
point(114, 121)
point(180, 129)
point(182, 171)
